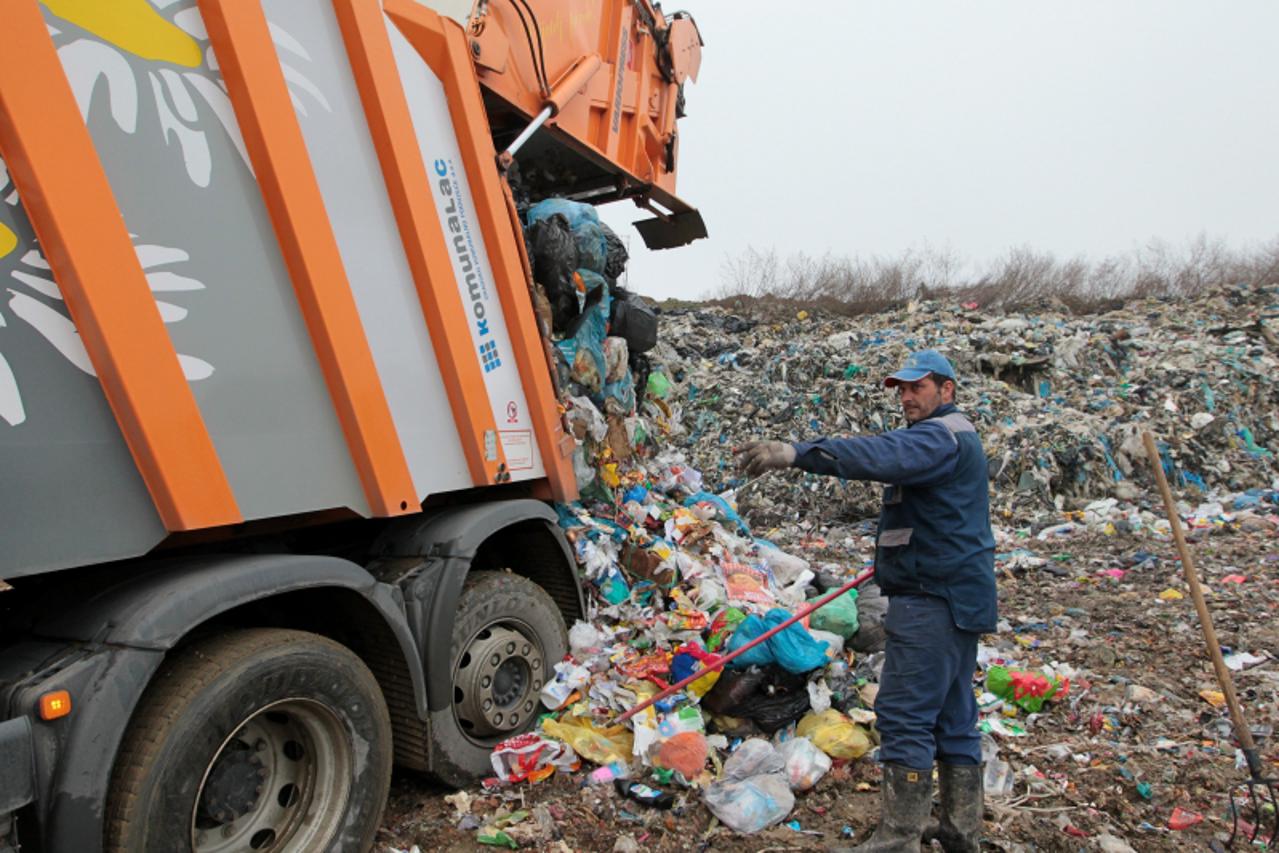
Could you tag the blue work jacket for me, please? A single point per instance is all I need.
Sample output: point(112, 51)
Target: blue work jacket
point(934, 529)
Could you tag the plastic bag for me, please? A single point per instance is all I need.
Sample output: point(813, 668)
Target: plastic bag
point(592, 246)
point(752, 804)
point(794, 649)
point(734, 688)
point(834, 734)
point(575, 212)
point(781, 709)
point(600, 745)
point(805, 763)
point(615, 264)
point(1027, 689)
point(583, 350)
point(553, 257)
point(838, 616)
point(531, 758)
point(753, 757)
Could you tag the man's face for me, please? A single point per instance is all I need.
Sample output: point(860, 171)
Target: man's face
point(920, 398)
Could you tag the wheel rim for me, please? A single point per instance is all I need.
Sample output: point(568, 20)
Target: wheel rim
point(497, 681)
point(279, 782)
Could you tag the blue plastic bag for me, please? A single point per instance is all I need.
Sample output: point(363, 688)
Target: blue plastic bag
point(584, 351)
point(575, 212)
point(592, 246)
point(793, 649)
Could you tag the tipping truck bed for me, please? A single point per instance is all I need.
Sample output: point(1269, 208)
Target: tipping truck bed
point(278, 424)
point(259, 264)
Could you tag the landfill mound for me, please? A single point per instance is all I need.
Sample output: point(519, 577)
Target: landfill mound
point(1086, 734)
point(1059, 399)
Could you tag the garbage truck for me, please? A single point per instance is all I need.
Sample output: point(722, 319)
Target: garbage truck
point(280, 431)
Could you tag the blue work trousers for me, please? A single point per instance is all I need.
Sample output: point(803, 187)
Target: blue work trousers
point(925, 708)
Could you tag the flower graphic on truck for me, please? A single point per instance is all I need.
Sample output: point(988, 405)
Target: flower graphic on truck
point(160, 47)
point(29, 294)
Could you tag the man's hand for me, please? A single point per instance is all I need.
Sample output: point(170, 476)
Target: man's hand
point(756, 457)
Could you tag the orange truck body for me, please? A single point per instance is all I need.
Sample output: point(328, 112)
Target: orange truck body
point(290, 188)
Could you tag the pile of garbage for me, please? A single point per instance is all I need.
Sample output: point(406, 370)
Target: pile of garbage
point(678, 578)
point(1059, 399)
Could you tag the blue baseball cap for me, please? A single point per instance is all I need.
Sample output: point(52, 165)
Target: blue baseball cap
point(919, 365)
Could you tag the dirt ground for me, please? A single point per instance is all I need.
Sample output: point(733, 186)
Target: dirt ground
point(1105, 767)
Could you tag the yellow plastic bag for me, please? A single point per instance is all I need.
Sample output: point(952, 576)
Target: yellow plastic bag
point(600, 745)
point(834, 734)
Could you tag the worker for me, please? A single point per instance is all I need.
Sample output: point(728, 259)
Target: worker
point(934, 559)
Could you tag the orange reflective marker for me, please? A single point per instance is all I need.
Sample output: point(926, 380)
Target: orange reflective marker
point(54, 705)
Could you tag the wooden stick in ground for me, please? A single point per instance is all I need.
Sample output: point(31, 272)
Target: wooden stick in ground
point(1205, 619)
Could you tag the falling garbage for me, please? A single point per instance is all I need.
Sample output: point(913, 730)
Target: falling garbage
point(684, 560)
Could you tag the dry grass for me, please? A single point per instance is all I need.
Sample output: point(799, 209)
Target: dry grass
point(1022, 279)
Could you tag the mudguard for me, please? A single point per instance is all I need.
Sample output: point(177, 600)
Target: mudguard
point(448, 542)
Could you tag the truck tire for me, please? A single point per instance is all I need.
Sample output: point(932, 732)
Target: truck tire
point(507, 637)
point(256, 739)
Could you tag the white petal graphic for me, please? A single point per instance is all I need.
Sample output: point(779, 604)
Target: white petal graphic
point(38, 284)
point(297, 78)
point(151, 255)
point(56, 328)
point(211, 59)
point(164, 4)
point(53, 31)
point(190, 21)
point(195, 148)
point(10, 398)
point(169, 282)
point(4, 174)
point(297, 104)
point(34, 259)
point(221, 106)
point(12, 199)
point(281, 37)
point(194, 369)
point(178, 92)
point(85, 62)
point(169, 312)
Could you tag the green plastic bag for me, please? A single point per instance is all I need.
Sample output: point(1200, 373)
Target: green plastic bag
point(837, 617)
point(1026, 689)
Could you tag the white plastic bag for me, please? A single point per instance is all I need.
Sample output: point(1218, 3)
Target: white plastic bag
point(753, 757)
point(750, 805)
point(805, 763)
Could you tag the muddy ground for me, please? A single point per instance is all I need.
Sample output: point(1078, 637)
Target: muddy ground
point(1107, 766)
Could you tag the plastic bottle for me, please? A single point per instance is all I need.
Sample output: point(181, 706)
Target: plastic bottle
point(641, 793)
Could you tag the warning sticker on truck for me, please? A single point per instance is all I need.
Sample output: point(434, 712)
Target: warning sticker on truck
point(517, 444)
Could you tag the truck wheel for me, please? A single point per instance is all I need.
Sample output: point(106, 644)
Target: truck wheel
point(507, 637)
point(260, 739)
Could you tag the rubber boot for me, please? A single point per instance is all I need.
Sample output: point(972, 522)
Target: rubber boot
point(906, 797)
point(962, 803)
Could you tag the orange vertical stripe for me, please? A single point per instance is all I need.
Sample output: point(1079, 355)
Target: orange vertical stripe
point(260, 96)
point(82, 234)
point(408, 186)
point(443, 45)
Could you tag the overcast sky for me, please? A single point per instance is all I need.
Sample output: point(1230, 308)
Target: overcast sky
point(857, 127)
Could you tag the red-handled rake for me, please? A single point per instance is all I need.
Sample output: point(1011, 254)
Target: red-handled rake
point(719, 664)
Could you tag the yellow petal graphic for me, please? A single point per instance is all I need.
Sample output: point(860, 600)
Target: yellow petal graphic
point(8, 240)
point(131, 25)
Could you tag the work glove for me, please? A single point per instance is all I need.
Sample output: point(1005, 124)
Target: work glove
point(756, 457)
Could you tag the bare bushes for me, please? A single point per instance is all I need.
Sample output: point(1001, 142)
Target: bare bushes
point(1022, 278)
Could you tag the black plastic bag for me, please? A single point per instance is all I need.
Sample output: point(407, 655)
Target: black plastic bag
point(615, 262)
point(553, 253)
point(636, 322)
